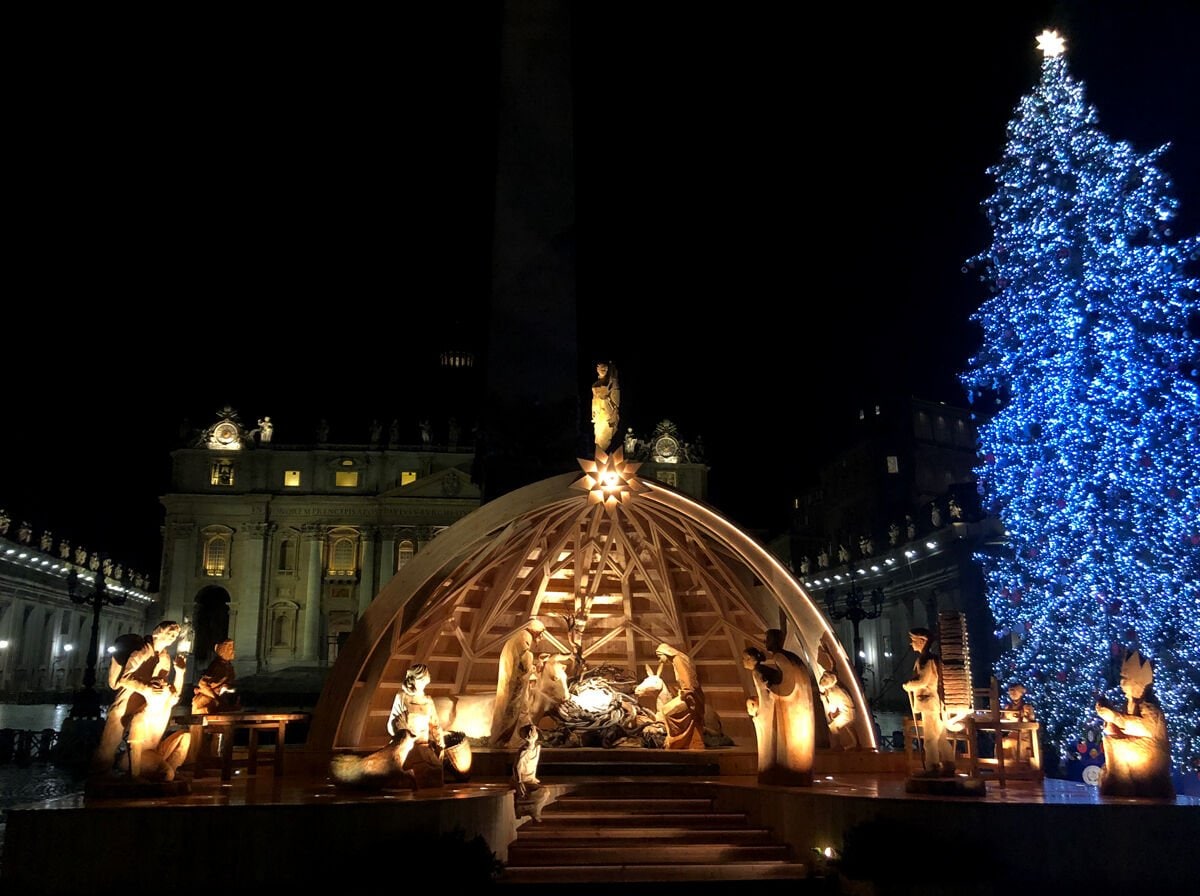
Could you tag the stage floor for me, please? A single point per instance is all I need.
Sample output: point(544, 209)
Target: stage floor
point(264, 829)
point(265, 789)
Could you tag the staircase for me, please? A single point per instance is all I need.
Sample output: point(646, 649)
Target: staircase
point(666, 833)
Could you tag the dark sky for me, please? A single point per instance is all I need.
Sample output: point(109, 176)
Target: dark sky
point(773, 207)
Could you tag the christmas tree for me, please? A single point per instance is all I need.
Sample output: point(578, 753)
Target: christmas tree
point(1085, 392)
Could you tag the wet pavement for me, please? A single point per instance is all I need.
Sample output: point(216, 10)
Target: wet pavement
point(35, 778)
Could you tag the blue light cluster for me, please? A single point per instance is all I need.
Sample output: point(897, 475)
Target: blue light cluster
point(1085, 392)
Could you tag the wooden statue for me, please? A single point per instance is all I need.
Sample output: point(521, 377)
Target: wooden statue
point(794, 723)
point(606, 405)
point(517, 674)
point(839, 712)
point(214, 692)
point(683, 714)
point(1137, 752)
point(147, 685)
point(925, 697)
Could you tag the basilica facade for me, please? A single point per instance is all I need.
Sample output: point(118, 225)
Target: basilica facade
point(284, 547)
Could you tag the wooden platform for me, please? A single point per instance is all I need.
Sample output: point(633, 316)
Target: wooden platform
point(738, 760)
point(270, 832)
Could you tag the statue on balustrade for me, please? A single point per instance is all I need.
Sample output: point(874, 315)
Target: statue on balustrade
point(606, 405)
point(1137, 751)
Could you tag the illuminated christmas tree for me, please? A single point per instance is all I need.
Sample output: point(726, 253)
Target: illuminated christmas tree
point(1085, 392)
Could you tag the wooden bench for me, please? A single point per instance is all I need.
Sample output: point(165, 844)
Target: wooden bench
point(213, 736)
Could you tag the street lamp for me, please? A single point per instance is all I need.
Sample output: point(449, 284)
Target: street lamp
point(87, 701)
point(856, 613)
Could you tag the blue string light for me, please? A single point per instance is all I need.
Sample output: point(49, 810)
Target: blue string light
point(1085, 395)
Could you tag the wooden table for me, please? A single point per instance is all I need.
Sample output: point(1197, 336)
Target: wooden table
point(207, 726)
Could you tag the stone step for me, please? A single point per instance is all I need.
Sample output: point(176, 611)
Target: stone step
point(630, 805)
point(635, 853)
point(666, 874)
point(567, 769)
point(622, 819)
point(655, 835)
point(637, 834)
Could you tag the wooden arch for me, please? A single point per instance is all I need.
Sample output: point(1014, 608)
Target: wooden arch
point(659, 568)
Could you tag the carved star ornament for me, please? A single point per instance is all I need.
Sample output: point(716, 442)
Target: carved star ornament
point(609, 479)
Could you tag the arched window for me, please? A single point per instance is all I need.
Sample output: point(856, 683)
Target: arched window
point(343, 552)
point(287, 555)
point(404, 553)
point(216, 555)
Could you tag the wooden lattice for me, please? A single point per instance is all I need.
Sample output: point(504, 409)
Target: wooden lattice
point(956, 661)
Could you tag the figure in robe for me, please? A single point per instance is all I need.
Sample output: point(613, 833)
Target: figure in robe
point(1018, 710)
point(525, 777)
point(1137, 751)
point(214, 692)
point(147, 687)
point(683, 714)
point(517, 677)
point(839, 712)
point(606, 405)
point(794, 721)
point(761, 707)
point(414, 724)
point(928, 707)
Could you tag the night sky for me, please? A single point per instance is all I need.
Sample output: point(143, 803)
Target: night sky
point(773, 208)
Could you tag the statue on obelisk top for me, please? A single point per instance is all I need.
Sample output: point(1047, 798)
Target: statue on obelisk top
point(606, 404)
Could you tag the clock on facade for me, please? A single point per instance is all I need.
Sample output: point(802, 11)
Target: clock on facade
point(665, 447)
point(225, 434)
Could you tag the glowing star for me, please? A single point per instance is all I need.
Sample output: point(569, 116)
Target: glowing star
point(609, 480)
point(1051, 44)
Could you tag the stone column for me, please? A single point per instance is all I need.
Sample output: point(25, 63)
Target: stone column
point(246, 628)
point(179, 567)
point(312, 538)
point(367, 582)
point(387, 555)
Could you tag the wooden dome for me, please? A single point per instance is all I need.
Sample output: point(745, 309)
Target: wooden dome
point(638, 563)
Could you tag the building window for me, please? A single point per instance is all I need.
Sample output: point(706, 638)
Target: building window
point(287, 555)
point(408, 476)
point(283, 627)
point(343, 553)
point(291, 478)
point(216, 555)
point(222, 473)
point(346, 479)
point(941, 433)
point(404, 553)
point(893, 464)
point(670, 477)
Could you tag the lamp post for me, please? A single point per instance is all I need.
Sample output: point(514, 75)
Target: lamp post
point(87, 701)
point(856, 613)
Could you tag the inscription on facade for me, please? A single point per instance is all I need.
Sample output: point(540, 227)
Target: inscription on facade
point(323, 511)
